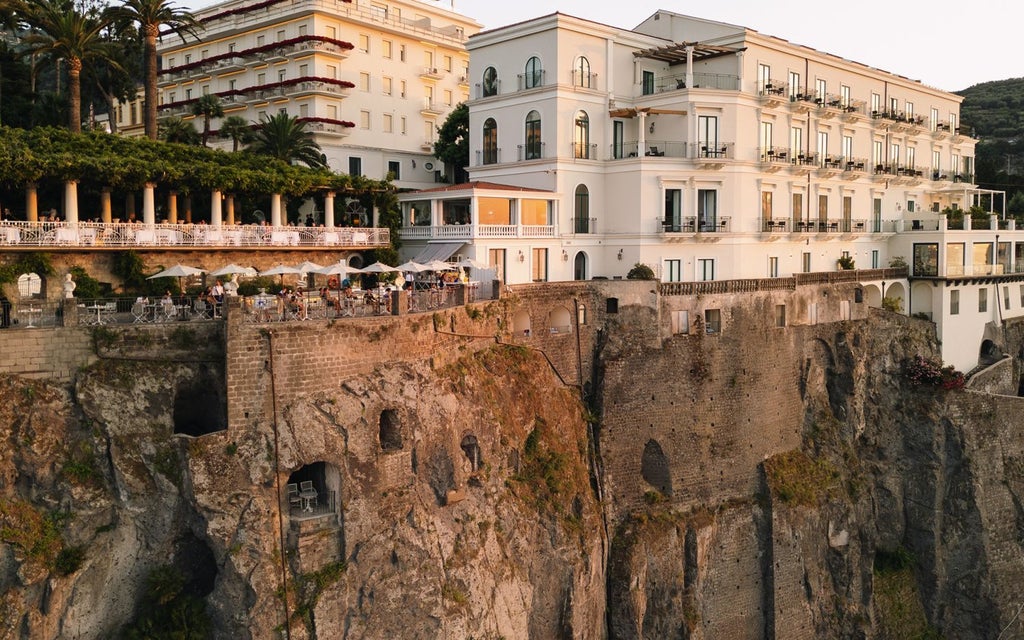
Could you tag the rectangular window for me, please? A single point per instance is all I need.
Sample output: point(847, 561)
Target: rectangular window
point(954, 302)
point(705, 269)
point(364, 43)
point(764, 77)
point(844, 309)
point(822, 147)
point(364, 81)
point(355, 166)
point(447, 63)
point(364, 119)
point(1022, 295)
point(766, 141)
point(780, 315)
point(618, 138)
point(805, 261)
point(280, 35)
point(389, 123)
point(794, 84)
point(332, 71)
point(1006, 298)
point(766, 208)
point(847, 213)
point(823, 208)
point(876, 154)
point(303, 70)
point(707, 135)
point(403, 126)
point(874, 259)
point(982, 300)
point(385, 84)
point(539, 266)
point(798, 207)
point(497, 260)
point(673, 270)
point(934, 119)
point(448, 97)
point(395, 169)
point(188, 58)
point(303, 30)
point(773, 267)
point(926, 259)
point(648, 83)
point(282, 74)
point(812, 313)
point(844, 96)
point(796, 142)
point(876, 103)
point(680, 322)
point(188, 94)
point(261, 79)
point(707, 209)
point(848, 150)
point(385, 47)
point(713, 320)
point(401, 88)
point(820, 89)
point(203, 54)
point(303, 110)
point(401, 53)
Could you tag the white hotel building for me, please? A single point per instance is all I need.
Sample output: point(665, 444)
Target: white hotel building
point(710, 151)
point(374, 78)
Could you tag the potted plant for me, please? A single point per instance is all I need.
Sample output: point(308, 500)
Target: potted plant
point(845, 262)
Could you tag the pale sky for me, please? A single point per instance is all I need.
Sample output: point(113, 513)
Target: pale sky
point(945, 44)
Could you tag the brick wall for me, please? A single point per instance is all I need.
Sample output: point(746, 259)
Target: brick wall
point(45, 353)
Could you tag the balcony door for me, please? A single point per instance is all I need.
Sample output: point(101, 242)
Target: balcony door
point(707, 134)
point(707, 209)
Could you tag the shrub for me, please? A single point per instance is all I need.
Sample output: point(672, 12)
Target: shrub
point(897, 262)
point(845, 262)
point(892, 304)
point(640, 271)
point(69, 560)
point(926, 371)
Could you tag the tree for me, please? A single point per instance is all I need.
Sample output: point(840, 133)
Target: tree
point(175, 129)
point(238, 129)
point(151, 15)
point(61, 32)
point(208, 106)
point(283, 137)
point(452, 146)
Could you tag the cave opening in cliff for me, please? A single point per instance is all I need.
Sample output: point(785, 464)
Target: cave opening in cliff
point(471, 448)
point(313, 490)
point(654, 468)
point(199, 405)
point(390, 430)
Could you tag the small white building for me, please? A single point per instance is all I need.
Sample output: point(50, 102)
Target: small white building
point(710, 151)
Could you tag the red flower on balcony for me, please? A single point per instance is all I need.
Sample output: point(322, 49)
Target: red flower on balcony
point(257, 50)
point(344, 84)
point(250, 8)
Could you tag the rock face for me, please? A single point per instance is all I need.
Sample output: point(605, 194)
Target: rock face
point(789, 483)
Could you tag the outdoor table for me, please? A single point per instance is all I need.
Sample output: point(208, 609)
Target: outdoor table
point(308, 497)
point(30, 311)
point(145, 236)
point(97, 308)
point(66, 236)
point(10, 235)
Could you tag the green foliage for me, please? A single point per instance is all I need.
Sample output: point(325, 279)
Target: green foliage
point(894, 305)
point(452, 145)
point(231, 448)
point(893, 561)
point(207, 106)
point(236, 129)
point(36, 533)
point(845, 262)
point(167, 612)
point(81, 467)
point(795, 478)
point(69, 560)
point(640, 272)
point(86, 286)
point(183, 338)
point(128, 266)
point(309, 587)
point(543, 468)
point(174, 130)
point(898, 262)
point(285, 138)
point(926, 371)
point(103, 338)
point(38, 263)
point(253, 286)
point(167, 464)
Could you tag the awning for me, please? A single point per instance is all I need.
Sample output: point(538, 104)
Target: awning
point(437, 251)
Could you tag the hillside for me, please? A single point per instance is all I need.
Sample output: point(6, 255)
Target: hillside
point(995, 111)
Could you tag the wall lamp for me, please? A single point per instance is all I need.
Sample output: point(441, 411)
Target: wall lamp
point(565, 255)
point(620, 254)
point(651, 128)
point(521, 256)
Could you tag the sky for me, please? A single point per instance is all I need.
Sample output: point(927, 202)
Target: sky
point(944, 44)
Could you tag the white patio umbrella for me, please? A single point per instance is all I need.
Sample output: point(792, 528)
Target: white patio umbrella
point(309, 267)
point(178, 271)
point(380, 267)
point(440, 265)
point(280, 270)
point(413, 267)
point(473, 264)
point(230, 269)
point(338, 269)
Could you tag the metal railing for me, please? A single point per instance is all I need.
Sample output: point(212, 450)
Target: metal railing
point(99, 234)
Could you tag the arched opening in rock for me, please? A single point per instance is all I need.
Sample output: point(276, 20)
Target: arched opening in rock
point(560, 320)
point(654, 468)
point(521, 323)
point(312, 491)
point(197, 564)
point(199, 405)
point(471, 448)
point(390, 430)
point(989, 352)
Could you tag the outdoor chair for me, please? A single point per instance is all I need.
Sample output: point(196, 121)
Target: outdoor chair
point(294, 501)
point(200, 310)
point(167, 310)
point(308, 494)
point(138, 313)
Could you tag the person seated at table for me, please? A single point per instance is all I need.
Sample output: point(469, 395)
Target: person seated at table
point(330, 301)
point(167, 305)
point(218, 291)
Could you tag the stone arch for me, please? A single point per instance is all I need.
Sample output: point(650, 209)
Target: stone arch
point(30, 285)
point(898, 292)
point(389, 430)
point(560, 320)
point(989, 352)
point(521, 323)
point(921, 299)
point(655, 469)
point(873, 296)
point(471, 447)
point(356, 261)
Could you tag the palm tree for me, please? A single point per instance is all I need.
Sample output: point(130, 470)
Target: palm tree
point(285, 138)
point(238, 129)
point(175, 129)
point(208, 106)
point(61, 32)
point(151, 15)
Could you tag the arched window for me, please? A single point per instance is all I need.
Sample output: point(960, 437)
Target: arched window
point(534, 147)
point(534, 76)
point(490, 84)
point(490, 151)
point(581, 136)
point(582, 72)
point(579, 272)
point(581, 210)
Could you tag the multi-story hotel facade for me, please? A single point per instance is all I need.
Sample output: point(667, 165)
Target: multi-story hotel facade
point(709, 151)
point(373, 79)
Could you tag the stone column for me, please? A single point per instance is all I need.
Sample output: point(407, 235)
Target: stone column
point(148, 204)
point(105, 205)
point(229, 201)
point(71, 202)
point(275, 209)
point(373, 215)
point(641, 139)
point(31, 203)
point(172, 207)
point(329, 210)
point(689, 66)
point(215, 202)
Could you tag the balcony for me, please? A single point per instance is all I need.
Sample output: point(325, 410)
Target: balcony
point(774, 158)
point(234, 62)
point(941, 131)
point(803, 162)
point(534, 151)
point(533, 80)
point(712, 155)
point(584, 80)
point(855, 168)
point(828, 226)
point(830, 166)
point(316, 86)
point(774, 226)
point(584, 225)
point(468, 231)
point(804, 102)
point(695, 225)
point(584, 151)
point(774, 94)
point(428, 144)
point(432, 108)
point(319, 46)
point(431, 73)
point(464, 82)
point(958, 270)
point(488, 156)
